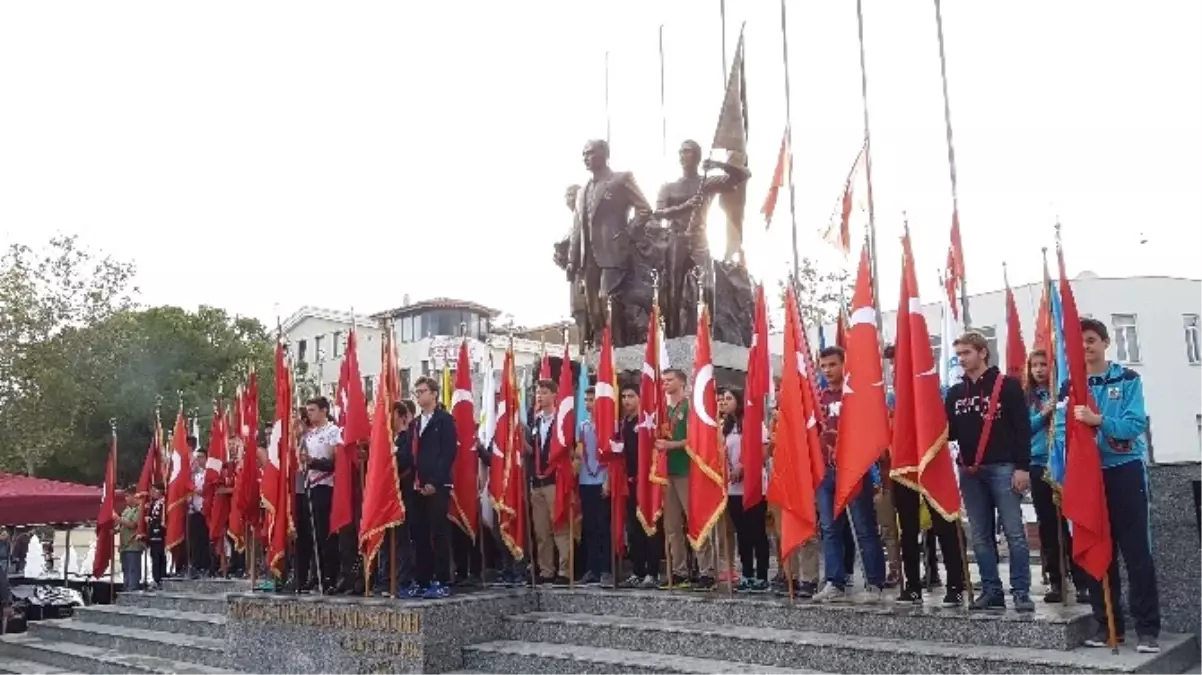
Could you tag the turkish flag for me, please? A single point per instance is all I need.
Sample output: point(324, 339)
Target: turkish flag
point(507, 476)
point(778, 181)
point(759, 381)
point(464, 505)
point(217, 456)
point(1083, 497)
point(218, 516)
point(356, 431)
point(279, 475)
point(563, 444)
point(797, 467)
point(921, 456)
point(864, 416)
point(179, 486)
point(653, 423)
point(106, 520)
point(1016, 349)
point(382, 506)
point(707, 478)
point(610, 448)
point(151, 472)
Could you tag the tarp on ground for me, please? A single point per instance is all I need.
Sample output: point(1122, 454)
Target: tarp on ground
point(25, 500)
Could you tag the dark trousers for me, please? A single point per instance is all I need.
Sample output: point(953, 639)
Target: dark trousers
point(350, 567)
point(466, 554)
point(645, 550)
point(849, 545)
point(905, 501)
point(596, 523)
point(752, 535)
point(432, 536)
point(198, 544)
point(1049, 517)
point(313, 540)
point(158, 561)
point(1127, 501)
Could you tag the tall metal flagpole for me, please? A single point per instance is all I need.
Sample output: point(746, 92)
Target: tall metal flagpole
point(663, 102)
point(872, 250)
point(784, 36)
point(722, 13)
point(951, 150)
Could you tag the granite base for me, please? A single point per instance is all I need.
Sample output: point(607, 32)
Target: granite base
point(1176, 548)
point(314, 634)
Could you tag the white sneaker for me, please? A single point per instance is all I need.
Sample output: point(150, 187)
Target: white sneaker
point(830, 593)
point(650, 581)
point(874, 595)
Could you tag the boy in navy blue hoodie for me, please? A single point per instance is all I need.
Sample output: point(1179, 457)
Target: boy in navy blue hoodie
point(1121, 423)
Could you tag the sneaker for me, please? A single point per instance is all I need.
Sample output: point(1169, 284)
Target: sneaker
point(632, 581)
point(436, 591)
point(413, 590)
point(560, 581)
point(849, 581)
point(705, 584)
point(590, 579)
point(1082, 596)
point(953, 598)
point(744, 585)
point(649, 582)
point(988, 601)
point(759, 586)
point(1102, 639)
point(1055, 594)
point(607, 581)
point(676, 584)
point(830, 593)
point(1023, 603)
point(1148, 645)
point(805, 589)
point(873, 595)
point(911, 596)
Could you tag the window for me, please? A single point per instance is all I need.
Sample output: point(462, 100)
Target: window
point(369, 390)
point(1126, 338)
point(937, 351)
point(300, 351)
point(321, 355)
point(990, 333)
point(404, 380)
point(407, 329)
point(425, 367)
point(338, 344)
point(1193, 350)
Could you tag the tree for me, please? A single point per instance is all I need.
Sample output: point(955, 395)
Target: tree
point(818, 294)
point(46, 297)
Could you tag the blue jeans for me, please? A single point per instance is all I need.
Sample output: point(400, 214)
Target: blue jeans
point(863, 520)
point(984, 493)
point(131, 569)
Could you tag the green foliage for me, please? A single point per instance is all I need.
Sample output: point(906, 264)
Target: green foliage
point(818, 293)
point(75, 352)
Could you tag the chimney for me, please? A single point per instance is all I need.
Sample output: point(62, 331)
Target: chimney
point(405, 300)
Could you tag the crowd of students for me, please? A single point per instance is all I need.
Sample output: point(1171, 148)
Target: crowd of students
point(999, 428)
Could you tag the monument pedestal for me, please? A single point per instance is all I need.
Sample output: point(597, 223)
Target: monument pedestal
point(315, 634)
point(1175, 544)
point(730, 360)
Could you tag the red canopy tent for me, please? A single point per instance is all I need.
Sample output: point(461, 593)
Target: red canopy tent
point(36, 501)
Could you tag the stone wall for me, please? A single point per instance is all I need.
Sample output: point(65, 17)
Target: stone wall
point(1176, 544)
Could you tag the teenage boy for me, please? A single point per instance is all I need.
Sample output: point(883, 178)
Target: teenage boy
point(987, 417)
point(1121, 423)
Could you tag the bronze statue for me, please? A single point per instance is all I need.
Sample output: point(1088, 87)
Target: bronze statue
point(683, 203)
point(610, 212)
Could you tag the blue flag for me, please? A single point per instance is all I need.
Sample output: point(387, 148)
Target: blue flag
point(822, 383)
point(1056, 383)
point(581, 386)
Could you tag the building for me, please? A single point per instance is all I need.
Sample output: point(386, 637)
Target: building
point(427, 335)
point(1154, 330)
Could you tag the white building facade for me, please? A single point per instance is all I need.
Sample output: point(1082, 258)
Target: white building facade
point(1154, 330)
point(426, 334)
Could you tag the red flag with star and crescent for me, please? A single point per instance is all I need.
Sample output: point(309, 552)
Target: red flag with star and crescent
point(759, 381)
point(563, 444)
point(707, 477)
point(610, 448)
point(464, 505)
point(653, 420)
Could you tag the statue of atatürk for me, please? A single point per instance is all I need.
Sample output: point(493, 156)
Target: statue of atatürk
point(610, 213)
point(683, 204)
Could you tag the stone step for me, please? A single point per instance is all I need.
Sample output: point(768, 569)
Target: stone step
point(20, 667)
point(1049, 627)
point(833, 652)
point(543, 657)
point(180, 602)
point(78, 658)
point(207, 651)
point(199, 624)
point(210, 586)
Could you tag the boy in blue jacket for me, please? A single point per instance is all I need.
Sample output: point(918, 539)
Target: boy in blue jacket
point(1121, 423)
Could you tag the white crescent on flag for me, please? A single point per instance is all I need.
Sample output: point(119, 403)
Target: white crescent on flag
point(175, 467)
point(273, 445)
point(565, 406)
point(704, 378)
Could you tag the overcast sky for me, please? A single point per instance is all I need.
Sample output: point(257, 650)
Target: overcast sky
point(255, 154)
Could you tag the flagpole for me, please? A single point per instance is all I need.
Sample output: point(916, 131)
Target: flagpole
point(722, 14)
point(114, 534)
point(663, 103)
point(784, 36)
point(872, 250)
point(951, 150)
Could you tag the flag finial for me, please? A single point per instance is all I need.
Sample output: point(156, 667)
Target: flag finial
point(113, 425)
